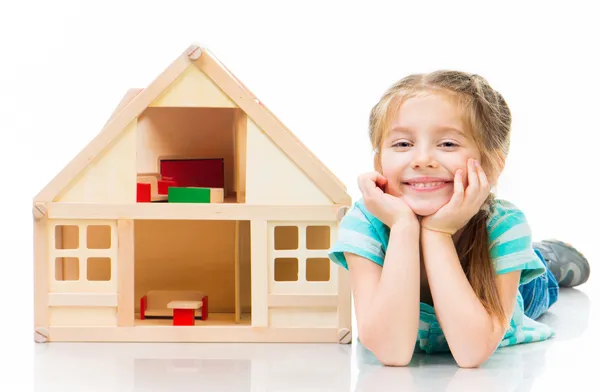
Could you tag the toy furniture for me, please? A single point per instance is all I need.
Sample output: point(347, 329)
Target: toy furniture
point(183, 311)
point(192, 185)
point(154, 304)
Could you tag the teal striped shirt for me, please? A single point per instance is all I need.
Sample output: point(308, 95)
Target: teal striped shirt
point(510, 245)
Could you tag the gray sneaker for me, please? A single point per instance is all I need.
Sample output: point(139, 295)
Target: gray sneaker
point(567, 264)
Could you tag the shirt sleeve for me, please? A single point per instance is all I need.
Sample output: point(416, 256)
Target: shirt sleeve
point(511, 246)
point(357, 234)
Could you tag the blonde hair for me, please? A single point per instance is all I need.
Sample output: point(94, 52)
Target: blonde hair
point(487, 117)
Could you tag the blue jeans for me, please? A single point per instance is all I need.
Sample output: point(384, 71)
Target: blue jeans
point(540, 293)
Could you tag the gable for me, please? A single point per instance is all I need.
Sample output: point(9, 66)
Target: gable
point(272, 177)
point(110, 177)
point(193, 89)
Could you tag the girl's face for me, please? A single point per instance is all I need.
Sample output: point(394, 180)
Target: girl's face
point(427, 143)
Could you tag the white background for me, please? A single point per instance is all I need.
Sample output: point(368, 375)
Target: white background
point(319, 66)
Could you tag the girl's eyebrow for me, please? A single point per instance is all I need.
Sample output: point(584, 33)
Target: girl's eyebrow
point(458, 131)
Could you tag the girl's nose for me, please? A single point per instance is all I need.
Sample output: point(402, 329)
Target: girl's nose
point(423, 158)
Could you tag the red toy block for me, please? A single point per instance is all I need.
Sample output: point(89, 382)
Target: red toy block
point(144, 192)
point(201, 173)
point(164, 183)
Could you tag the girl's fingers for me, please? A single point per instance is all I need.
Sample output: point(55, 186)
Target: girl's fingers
point(483, 181)
point(367, 183)
point(363, 184)
point(474, 185)
point(381, 183)
point(459, 190)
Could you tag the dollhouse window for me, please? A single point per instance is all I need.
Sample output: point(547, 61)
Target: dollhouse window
point(300, 253)
point(72, 261)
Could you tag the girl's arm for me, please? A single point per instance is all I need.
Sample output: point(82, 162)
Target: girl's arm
point(386, 299)
point(472, 334)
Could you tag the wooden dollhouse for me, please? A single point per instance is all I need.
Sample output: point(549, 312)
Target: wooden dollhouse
point(194, 215)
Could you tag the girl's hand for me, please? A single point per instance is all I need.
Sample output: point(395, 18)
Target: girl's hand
point(463, 205)
point(385, 207)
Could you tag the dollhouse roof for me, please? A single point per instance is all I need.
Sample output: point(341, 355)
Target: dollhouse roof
point(135, 101)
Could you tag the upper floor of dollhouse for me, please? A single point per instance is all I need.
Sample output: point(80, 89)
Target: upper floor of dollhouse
point(196, 134)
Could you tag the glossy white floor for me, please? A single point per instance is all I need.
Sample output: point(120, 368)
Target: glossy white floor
point(565, 361)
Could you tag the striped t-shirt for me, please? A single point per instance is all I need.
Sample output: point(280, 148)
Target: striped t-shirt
point(511, 249)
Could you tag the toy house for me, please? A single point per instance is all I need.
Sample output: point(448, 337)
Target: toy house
point(194, 215)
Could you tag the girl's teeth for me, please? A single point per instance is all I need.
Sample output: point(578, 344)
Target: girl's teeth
point(426, 185)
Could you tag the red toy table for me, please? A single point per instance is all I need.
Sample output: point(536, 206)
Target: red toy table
point(184, 311)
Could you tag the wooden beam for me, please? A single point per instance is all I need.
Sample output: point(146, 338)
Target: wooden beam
point(280, 135)
point(259, 271)
point(240, 142)
point(344, 305)
point(128, 97)
point(41, 273)
point(236, 272)
point(207, 333)
point(82, 299)
point(125, 274)
point(192, 211)
point(303, 301)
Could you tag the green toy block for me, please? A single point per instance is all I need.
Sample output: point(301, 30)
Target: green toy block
point(189, 195)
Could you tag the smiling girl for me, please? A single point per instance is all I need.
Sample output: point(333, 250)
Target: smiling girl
point(437, 263)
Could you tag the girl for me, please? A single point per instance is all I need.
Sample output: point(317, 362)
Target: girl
point(434, 258)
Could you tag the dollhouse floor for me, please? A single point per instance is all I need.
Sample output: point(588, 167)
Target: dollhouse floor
point(215, 319)
point(567, 362)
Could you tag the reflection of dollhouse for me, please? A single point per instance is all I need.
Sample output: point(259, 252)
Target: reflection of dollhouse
point(193, 196)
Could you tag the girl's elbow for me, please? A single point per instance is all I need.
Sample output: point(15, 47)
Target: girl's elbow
point(396, 360)
point(472, 361)
point(386, 353)
point(390, 356)
point(468, 364)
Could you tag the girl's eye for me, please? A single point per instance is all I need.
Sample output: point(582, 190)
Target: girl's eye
point(449, 144)
point(401, 144)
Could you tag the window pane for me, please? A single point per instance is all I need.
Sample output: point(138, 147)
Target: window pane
point(286, 269)
point(98, 268)
point(98, 237)
point(317, 237)
point(66, 237)
point(66, 268)
point(286, 237)
point(317, 269)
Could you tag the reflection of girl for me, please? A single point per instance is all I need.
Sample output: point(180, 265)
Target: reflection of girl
point(428, 231)
point(505, 371)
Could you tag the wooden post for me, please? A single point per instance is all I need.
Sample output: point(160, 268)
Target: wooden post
point(236, 268)
point(41, 268)
point(125, 276)
point(260, 273)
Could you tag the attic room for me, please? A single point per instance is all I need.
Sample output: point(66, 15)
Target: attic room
point(190, 147)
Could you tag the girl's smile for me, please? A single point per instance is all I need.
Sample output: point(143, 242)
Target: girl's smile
point(427, 184)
